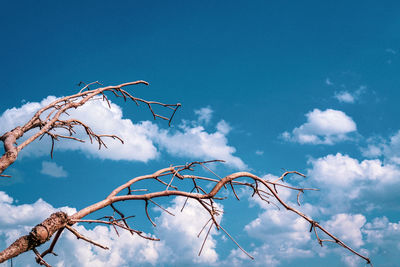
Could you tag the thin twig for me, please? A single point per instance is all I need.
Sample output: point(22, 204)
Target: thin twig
point(79, 236)
point(147, 213)
point(245, 252)
point(205, 238)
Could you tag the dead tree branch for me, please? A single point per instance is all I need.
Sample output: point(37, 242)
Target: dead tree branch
point(262, 188)
point(49, 118)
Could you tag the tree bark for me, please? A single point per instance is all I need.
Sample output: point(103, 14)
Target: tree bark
point(11, 151)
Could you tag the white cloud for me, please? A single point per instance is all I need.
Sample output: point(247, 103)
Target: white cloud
point(125, 249)
point(323, 127)
point(372, 151)
point(392, 149)
point(4, 198)
point(354, 260)
point(344, 96)
point(14, 117)
point(196, 143)
point(343, 180)
point(349, 97)
point(343, 171)
point(347, 227)
point(282, 234)
point(204, 115)
point(180, 233)
point(384, 234)
point(137, 144)
point(52, 169)
point(223, 127)
point(388, 148)
point(140, 139)
point(346, 184)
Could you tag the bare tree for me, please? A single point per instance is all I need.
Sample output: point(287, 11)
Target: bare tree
point(170, 179)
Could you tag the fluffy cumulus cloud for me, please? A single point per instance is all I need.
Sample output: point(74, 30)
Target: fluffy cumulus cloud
point(179, 244)
point(125, 249)
point(142, 141)
point(348, 228)
point(347, 185)
point(343, 171)
point(195, 142)
point(180, 233)
point(53, 170)
point(282, 234)
point(323, 127)
point(14, 117)
point(343, 179)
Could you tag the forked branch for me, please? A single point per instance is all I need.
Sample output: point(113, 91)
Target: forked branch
point(262, 188)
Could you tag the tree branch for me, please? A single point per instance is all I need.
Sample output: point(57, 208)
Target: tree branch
point(51, 122)
point(200, 195)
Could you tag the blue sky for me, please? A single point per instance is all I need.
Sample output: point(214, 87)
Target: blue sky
point(267, 86)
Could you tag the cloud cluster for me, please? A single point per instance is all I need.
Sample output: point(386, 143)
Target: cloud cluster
point(143, 141)
point(349, 185)
point(195, 142)
point(388, 148)
point(349, 188)
point(279, 236)
point(323, 127)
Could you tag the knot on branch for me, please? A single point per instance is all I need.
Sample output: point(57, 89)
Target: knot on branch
point(42, 232)
point(10, 138)
point(17, 132)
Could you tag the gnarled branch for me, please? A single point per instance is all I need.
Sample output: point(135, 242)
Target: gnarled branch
point(47, 124)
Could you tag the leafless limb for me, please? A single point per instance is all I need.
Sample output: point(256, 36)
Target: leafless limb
point(262, 188)
point(80, 236)
point(50, 249)
point(39, 258)
point(49, 118)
